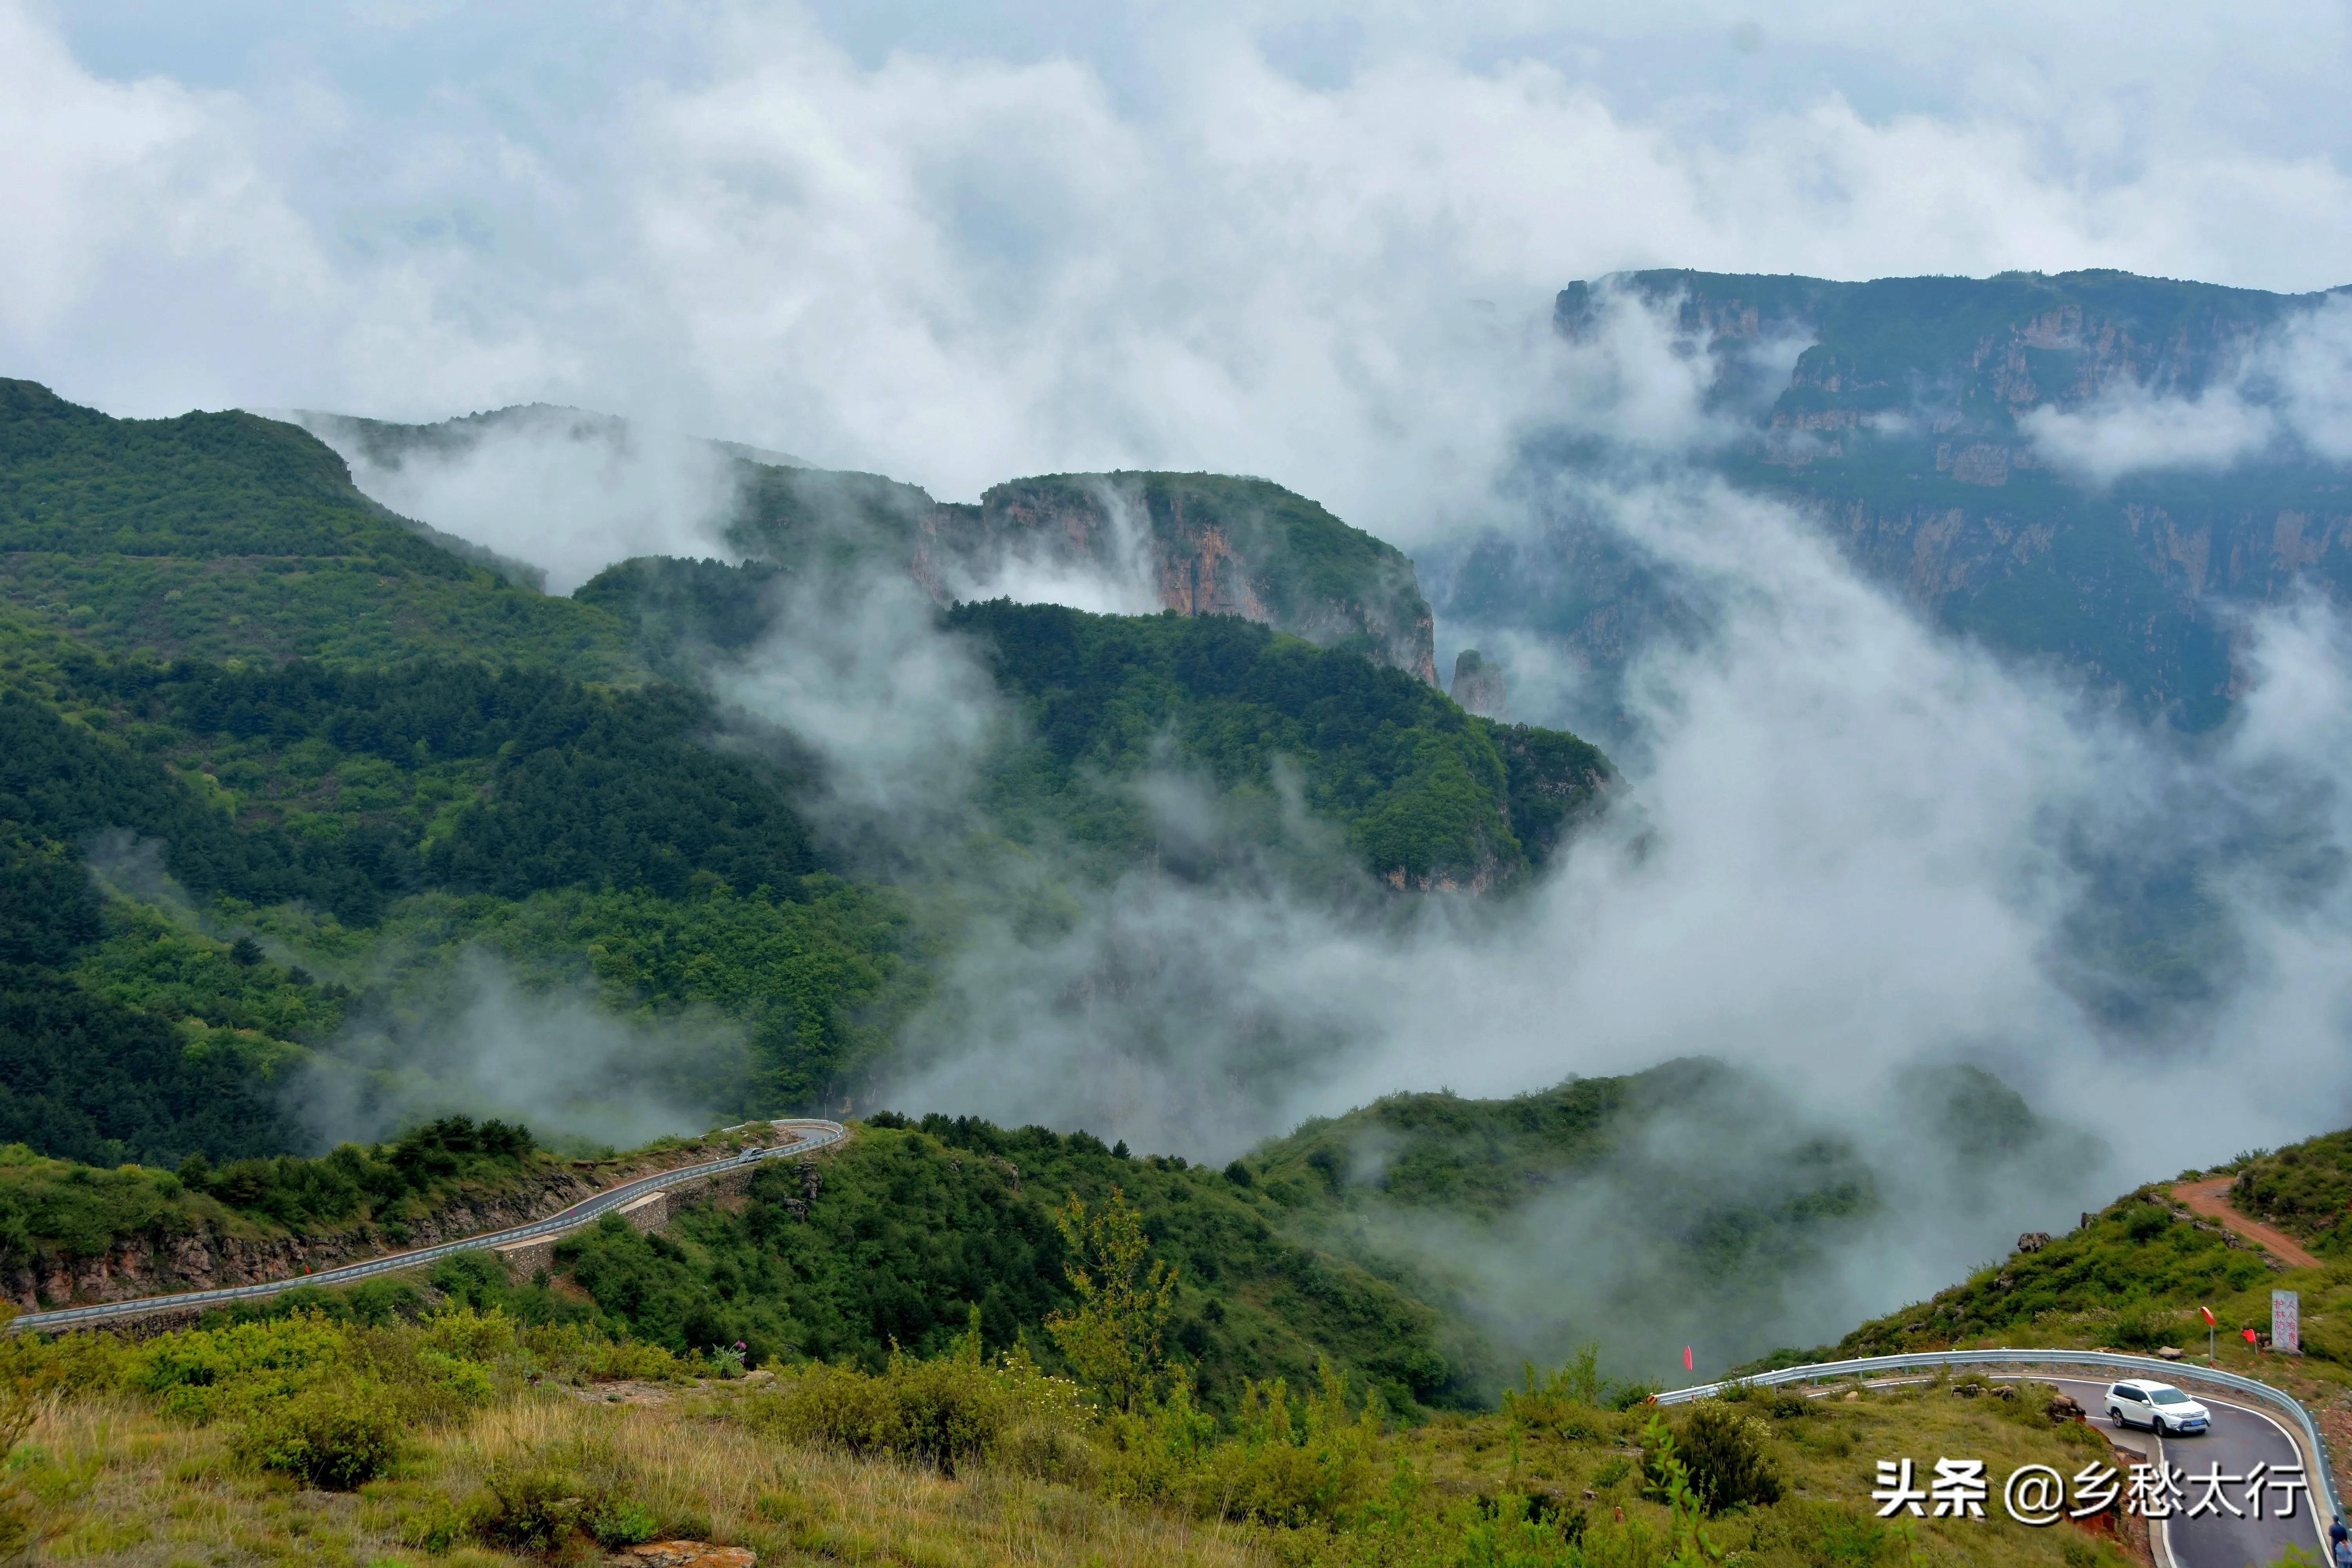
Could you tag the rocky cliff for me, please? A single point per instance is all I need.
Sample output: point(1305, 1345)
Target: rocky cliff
point(1194, 543)
point(1199, 544)
point(1912, 419)
point(1478, 684)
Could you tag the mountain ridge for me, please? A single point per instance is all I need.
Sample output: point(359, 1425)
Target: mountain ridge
point(1921, 425)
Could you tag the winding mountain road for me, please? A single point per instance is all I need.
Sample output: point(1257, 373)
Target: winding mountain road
point(2240, 1440)
point(803, 1136)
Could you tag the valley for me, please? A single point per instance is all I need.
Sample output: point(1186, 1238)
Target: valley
point(1091, 853)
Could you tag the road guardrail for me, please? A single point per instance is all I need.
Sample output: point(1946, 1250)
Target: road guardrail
point(810, 1134)
point(2138, 1365)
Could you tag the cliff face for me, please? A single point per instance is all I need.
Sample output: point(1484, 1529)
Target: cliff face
point(1199, 544)
point(1478, 684)
point(1912, 427)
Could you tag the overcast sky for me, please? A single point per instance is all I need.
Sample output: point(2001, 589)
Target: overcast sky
point(960, 242)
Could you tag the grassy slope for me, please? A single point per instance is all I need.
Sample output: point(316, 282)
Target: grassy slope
point(2134, 1279)
point(110, 1478)
point(2304, 1190)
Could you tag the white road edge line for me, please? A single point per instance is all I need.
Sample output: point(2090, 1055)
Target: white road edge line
point(2318, 1530)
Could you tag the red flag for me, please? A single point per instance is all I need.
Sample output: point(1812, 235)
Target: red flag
point(2250, 1336)
point(2208, 1315)
point(1686, 1358)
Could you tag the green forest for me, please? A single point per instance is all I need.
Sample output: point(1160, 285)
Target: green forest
point(276, 765)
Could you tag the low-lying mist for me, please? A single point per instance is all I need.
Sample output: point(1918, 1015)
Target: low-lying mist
point(476, 1036)
point(1845, 846)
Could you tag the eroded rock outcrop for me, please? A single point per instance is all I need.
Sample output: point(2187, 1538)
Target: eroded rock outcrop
point(1478, 684)
point(1199, 544)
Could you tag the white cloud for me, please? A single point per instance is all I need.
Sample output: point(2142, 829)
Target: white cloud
point(2293, 386)
point(2129, 432)
point(955, 268)
point(567, 494)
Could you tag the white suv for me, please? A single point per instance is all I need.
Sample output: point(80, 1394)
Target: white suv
point(2158, 1406)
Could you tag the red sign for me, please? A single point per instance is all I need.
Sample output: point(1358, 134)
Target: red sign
point(2250, 1336)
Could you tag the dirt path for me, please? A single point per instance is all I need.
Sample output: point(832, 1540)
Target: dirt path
point(2209, 1198)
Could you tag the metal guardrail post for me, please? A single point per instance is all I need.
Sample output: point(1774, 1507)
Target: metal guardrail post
point(1861, 1366)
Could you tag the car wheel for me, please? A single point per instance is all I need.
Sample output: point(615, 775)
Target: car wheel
point(2160, 1429)
point(2115, 1415)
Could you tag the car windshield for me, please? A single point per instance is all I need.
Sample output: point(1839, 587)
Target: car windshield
point(2168, 1396)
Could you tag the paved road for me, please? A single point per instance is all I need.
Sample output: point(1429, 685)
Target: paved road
point(2241, 1438)
point(802, 1137)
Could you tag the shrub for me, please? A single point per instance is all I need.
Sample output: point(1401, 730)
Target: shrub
point(1726, 1463)
point(1049, 1451)
point(203, 1374)
point(580, 1350)
point(943, 1412)
point(556, 1502)
point(1624, 1397)
point(938, 1412)
point(529, 1507)
point(333, 1436)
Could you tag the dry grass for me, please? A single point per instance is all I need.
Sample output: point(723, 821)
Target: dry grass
point(115, 1484)
point(1826, 1458)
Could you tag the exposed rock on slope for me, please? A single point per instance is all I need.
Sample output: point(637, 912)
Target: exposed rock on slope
point(1478, 684)
point(1131, 542)
point(1199, 544)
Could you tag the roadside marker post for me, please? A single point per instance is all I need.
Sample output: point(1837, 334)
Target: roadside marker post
point(2286, 1322)
point(2209, 1331)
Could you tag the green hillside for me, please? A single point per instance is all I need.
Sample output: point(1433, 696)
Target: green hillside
point(1421, 792)
point(1689, 1202)
point(916, 1224)
point(1424, 793)
point(226, 535)
point(340, 765)
point(2135, 1274)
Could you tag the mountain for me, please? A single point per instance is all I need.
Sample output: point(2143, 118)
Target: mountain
point(388, 445)
point(298, 799)
point(1692, 1202)
point(1194, 543)
point(1202, 545)
point(2093, 467)
point(223, 536)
